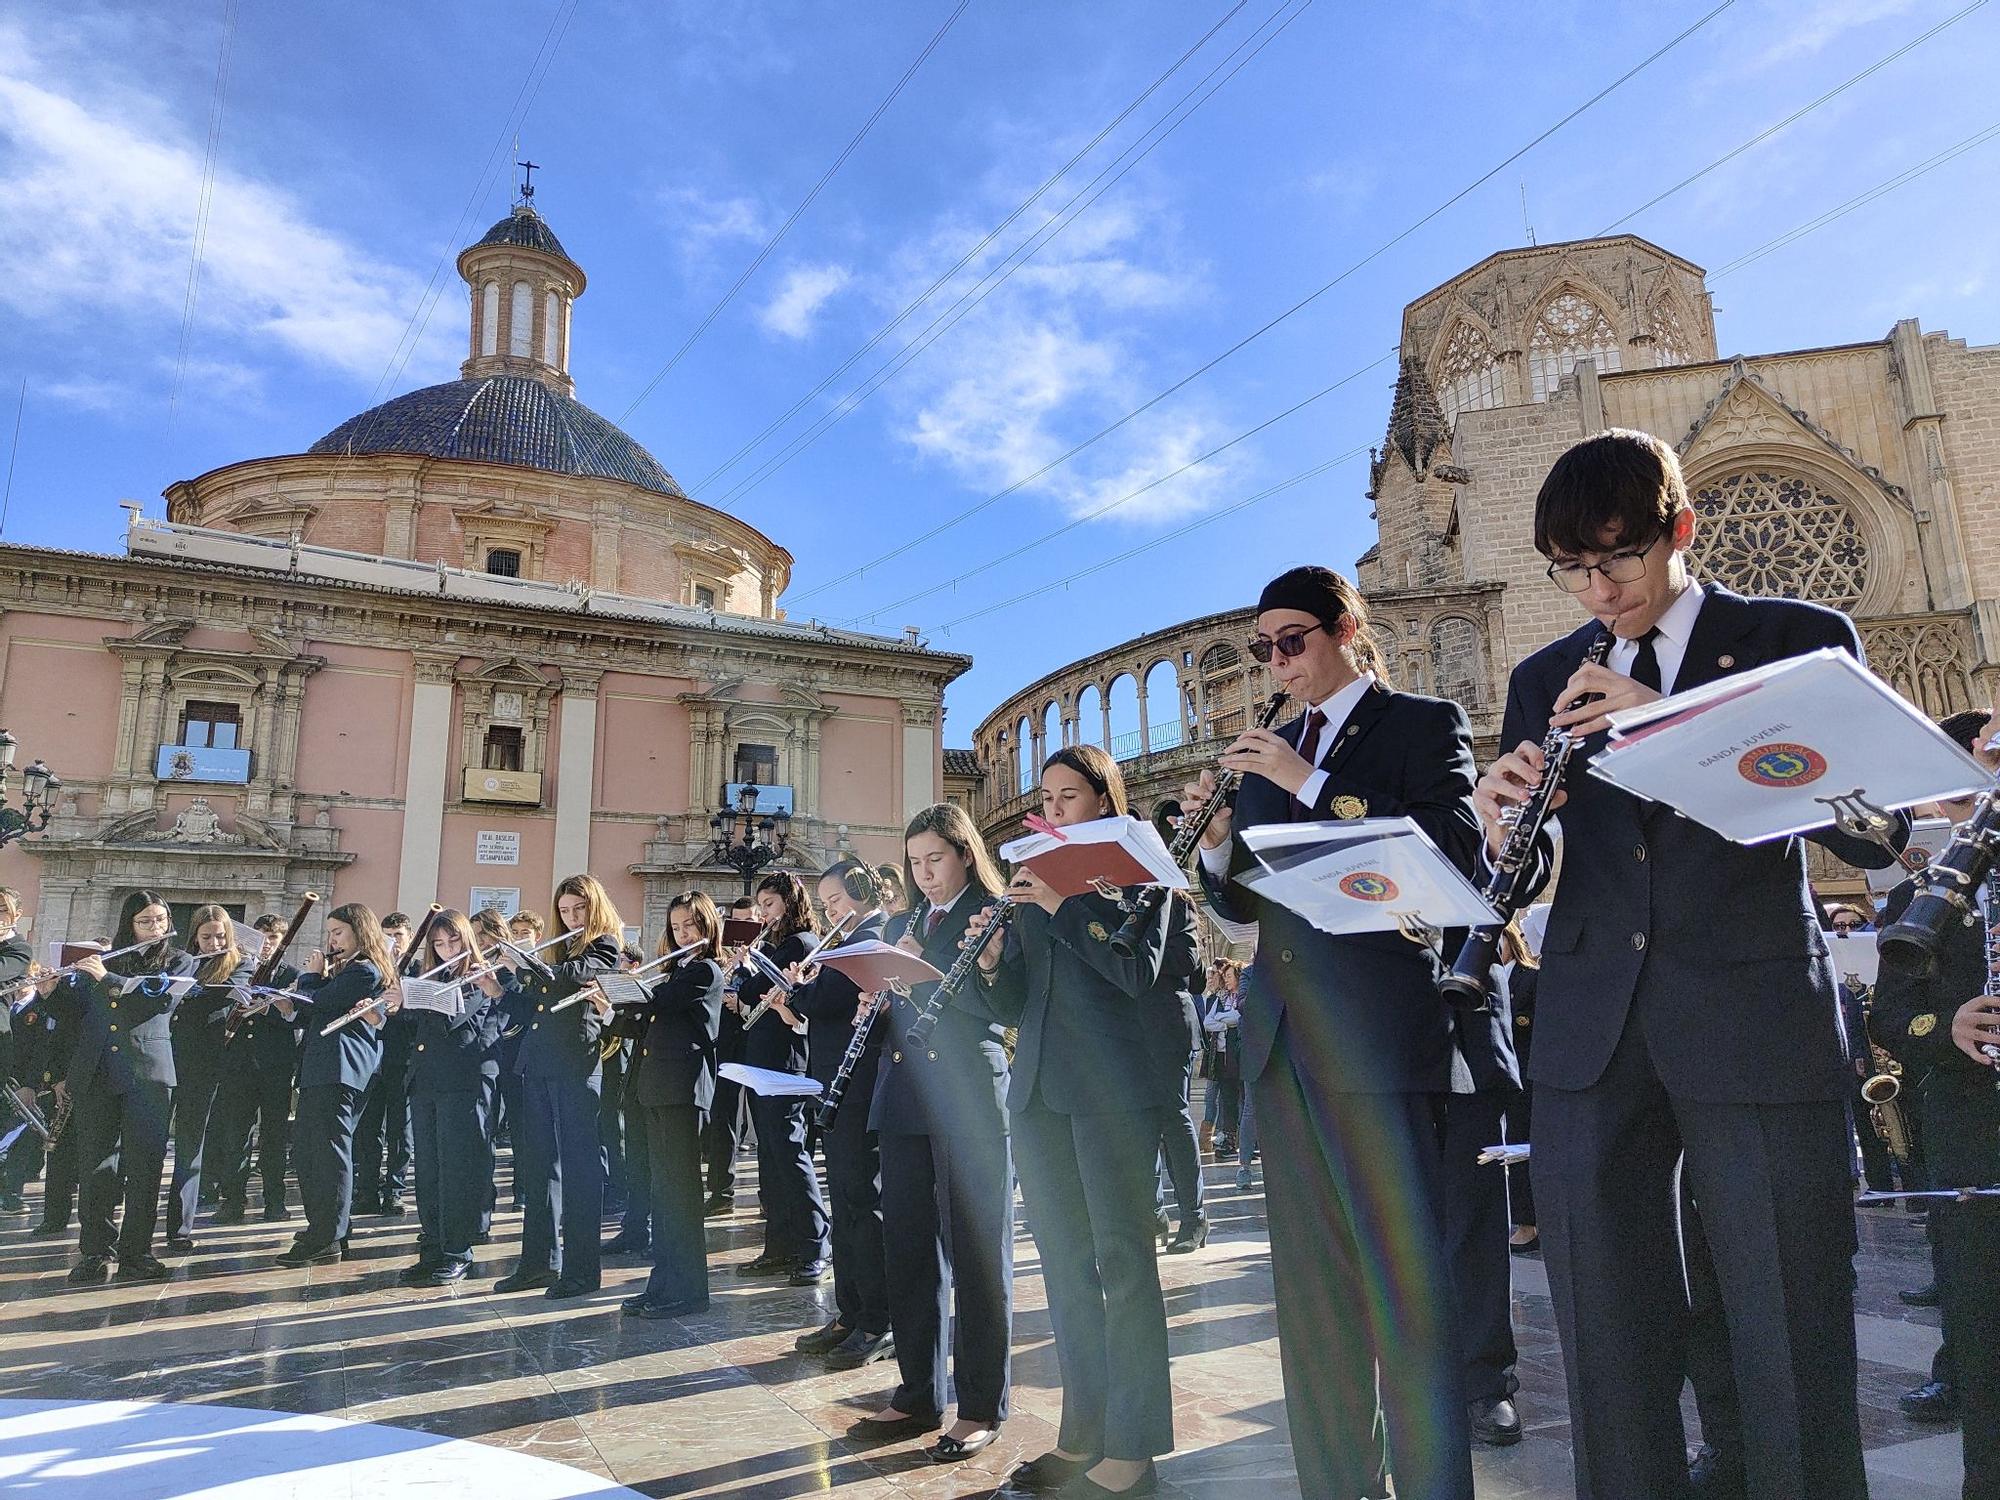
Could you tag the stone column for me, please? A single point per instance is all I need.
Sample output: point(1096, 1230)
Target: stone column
point(1145, 729)
point(577, 727)
point(920, 756)
point(424, 782)
point(1104, 705)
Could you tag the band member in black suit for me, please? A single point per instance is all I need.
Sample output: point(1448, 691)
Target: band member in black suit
point(560, 1159)
point(121, 1079)
point(832, 1006)
point(1180, 1146)
point(1347, 1049)
point(1096, 1076)
point(45, 1033)
point(673, 1083)
point(224, 973)
point(940, 1114)
point(1686, 1007)
point(382, 1136)
point(256, 1097)
point(503, 1109)
point(17, 958)
point(627, 1030)
point(334, 1073)
point(454, 1060)
point(795, 1222)
point(724, 1132)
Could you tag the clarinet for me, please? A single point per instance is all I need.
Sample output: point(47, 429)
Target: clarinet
point(1139, 910)
point(836, 1089)
point(1992, 989)
point(1947, 890)
point(918, 1033)
point(1468, 985)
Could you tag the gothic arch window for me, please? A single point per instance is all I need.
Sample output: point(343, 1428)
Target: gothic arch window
point(1454, 660)
point(1571, 327)
point(1671, 344)
point(1468, 375)
point(1767, 531)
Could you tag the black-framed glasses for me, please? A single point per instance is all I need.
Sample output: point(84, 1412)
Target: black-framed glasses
point(1619, 567)
point(1287, 643)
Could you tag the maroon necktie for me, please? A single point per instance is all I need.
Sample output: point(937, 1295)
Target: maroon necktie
point(931, 920)
point(1315, 722)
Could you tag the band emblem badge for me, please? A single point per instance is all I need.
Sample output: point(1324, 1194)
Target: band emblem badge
point(1782, 765)
point(1098, 931)
point(1369, 885)
point(1923, 1025)
point(1347, 805)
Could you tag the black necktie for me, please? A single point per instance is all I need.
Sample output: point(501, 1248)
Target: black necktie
point(1646, 665)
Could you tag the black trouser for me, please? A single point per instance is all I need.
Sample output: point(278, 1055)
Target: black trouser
point(611, 1125)
point(854, 1193)
point(1088, 1181)
point(123, 1145)
point(1709, 1364)
point(795, 1223)
point(197, 1079)
point(454, 1162)
point(721, 1137)
point(560, 1163)
point(1775, 1192)
point(253, 1096)
point(510, 1112)
point(490, 1105)
point(1353, 1190)
point(948, 1227)
point(1970, 1236)
point(1475, 1232)
point(673, 1164)
point(30, 1156)
point(323, 1155)
point(382, 1138)
point(638, 1220)
point(1180, 1149)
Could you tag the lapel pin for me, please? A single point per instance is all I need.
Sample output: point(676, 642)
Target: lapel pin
point(1352, 729)
point(1725, 662)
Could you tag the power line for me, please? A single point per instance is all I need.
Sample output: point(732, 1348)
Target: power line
point(1295, 308)
point(1105, 509)
point(1793, 118)
point(963, 261)
point(204, 203)
point(13, 452)
point(804, 204)
point(1078, 204)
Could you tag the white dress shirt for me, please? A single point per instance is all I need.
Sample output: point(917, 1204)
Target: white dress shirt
point(1336, 710)
point(1676, 628)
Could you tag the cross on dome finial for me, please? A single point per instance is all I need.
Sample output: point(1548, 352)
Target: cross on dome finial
point(527, 180)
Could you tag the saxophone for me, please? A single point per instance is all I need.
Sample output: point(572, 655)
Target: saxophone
point(1883, 1093)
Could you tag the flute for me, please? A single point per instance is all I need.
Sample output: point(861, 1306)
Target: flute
point(527, 955)
point(664, 959)
point(780, 984)
point(68, 969)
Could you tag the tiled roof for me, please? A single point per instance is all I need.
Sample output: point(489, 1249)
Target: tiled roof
point(527, 228)
point(961, 763)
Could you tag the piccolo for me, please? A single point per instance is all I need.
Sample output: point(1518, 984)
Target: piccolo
point(644, 969)
point(779, 983)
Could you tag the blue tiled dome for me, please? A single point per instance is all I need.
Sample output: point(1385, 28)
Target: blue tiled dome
point(524, 227)
point(502, 419)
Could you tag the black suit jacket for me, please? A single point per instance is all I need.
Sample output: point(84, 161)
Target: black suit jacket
point(125, 1035)
point(771, 1043)
point(352, 1056)
point(458, 1054)
point(198, 1021)
point(1725, 938)
point(1099, 1034)
point(562, 1044)
point(1362, 1013)
point(957, 1083)
point(828, 1004)
point(676, 1059)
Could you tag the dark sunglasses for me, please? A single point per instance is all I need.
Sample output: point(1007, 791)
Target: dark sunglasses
point(1288, 644)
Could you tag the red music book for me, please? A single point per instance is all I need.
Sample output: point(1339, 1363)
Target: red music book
point(873, 964)
point(736, 931)
point(1120, 851)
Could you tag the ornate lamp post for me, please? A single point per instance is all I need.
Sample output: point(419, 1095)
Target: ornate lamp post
point(745, 842)
point(38, 795)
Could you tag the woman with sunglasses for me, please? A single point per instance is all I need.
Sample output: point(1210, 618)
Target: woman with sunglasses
point(1096, 1077)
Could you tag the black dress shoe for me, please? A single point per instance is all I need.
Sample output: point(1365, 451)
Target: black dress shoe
point(860, 1348)
point(447, 1272)
point(392, 1208)
point(620, 1244)
point(47, 1228)
point(770, 1263)
point(654, 1312)
point(92, 1270)
point(142, 1268)
point(180, 1244)
point(1083, 1487)
point(565, 1288)
point(880, 1429)
point(1715, 1475)
point(810, 1272)
point(951, 1450)
point(525, 1280)
point(418, 1272)
point(1933, 1401)
point(631, 1305)
point(822, 1339)
point(228, 1213)
point(274, 1213)
point(718, 1207)
point(1047, 1474)
point(1923, 1296)
point(1193, 1235)
point(312, 1255)
point(1494, 1421)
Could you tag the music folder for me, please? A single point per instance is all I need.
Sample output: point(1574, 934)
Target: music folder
point(1362, 875)
point(437, 995)
point(1118, 851)
point(770, 1083)
point(1774, 752)
point(623, 989)
point(62, 955)
point(1854, 955)
point(874, 965)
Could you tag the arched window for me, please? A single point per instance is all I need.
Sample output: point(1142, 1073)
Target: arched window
point(1052, 729)
point(1570, 328)
point(521, 320)
point(1024, 755)
point(1089, 716)
point(1468, 376)
point(489, 317)
point(550, 352)
point(1454, 661)
point(1124, 700)
point(1671, 343)
point(1163, 707)
point(1764, 531)
point(1222, 686)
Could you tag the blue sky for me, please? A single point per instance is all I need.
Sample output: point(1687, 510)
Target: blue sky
point(356, 152)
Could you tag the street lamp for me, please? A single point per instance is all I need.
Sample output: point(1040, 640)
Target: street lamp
point(39, 786)
point(745, 842)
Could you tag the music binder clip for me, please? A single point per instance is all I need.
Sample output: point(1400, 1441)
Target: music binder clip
point(1857, 817)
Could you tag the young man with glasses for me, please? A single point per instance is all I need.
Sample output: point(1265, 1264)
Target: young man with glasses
point(1348, 1051)
point(1685, 1017)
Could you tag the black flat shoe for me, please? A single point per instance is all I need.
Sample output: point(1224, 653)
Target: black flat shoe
point(1933, 1401)
point(1047, 1474)
point(1193, 1235)
point(768, 1264)
point(228, 1213)
point(810, 1272)
point(654, 1312)
point(142, 1268)
point(718, 1208)
point(525, 1280)
point(417, 1274)
point(951, 1450)
point(620, 1245)
point(879, 1429)
point(1717, 1476)
point(180, 1244)
point(276, 1213)
point(450, 1272)
point(859, 1349)
point(1083, 1487)
point(822, 1339)
point(47, 1228)
point(392, 1208)
point(90, 1271)
point(1494, 1421)
point(312, 1255)
point(1526, 1247)
point(566, 1288)
point(1923, 1296)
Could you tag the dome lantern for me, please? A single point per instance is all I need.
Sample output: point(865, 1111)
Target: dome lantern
point(522, 284)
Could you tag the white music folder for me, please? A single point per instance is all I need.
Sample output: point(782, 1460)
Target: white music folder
point(1854, 955)
point(1768, 753)
point(439, 996)
point(1362, 875)
point(770, 1083)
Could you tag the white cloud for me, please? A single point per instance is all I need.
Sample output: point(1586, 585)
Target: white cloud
point(1812, 28)
point(703, 219)
point(805, 291)
point(104, 199)
point(89, 392)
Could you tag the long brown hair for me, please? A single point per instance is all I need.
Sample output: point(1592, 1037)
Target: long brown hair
point(367, 929)
point(600, 917)
point(706, 917)
point(215, 969)
point(953, 824)
point(798, 915)
point(472, 954)
point(1095, 766)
